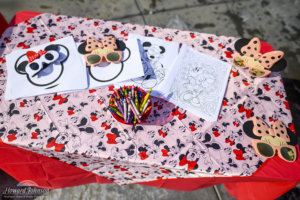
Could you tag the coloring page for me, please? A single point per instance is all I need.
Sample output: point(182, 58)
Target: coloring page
point(48, 68)
point(127, 67)
point(158, 57)
point(197, 83)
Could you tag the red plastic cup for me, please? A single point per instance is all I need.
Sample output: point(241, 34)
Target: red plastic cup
point(145, 115)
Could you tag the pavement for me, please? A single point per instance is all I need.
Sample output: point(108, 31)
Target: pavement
point(274, 21)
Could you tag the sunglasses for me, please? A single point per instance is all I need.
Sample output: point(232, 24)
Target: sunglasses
point(103, 55)
point(255, 68)
point(285, 152)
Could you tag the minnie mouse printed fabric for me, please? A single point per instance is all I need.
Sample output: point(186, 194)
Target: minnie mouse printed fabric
point(78, 129)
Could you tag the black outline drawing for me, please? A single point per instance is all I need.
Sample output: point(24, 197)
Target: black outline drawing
point(121, 47)
point(41, 85)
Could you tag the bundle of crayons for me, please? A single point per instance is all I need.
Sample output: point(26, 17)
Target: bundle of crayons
point(130, 104)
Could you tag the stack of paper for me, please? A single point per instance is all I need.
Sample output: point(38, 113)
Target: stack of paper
point(188, 78)
point(47, 68)
point(185, 77)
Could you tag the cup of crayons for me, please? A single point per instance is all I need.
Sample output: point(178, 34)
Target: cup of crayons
point(130, 105)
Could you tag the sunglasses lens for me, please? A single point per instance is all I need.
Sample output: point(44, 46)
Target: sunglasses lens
point(113, 57)
point(256, 72)
point(239, 62)
point(287, 153)
point(265, 149)
point(92, 59)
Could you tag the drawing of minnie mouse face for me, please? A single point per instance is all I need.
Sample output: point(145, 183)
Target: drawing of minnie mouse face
point(44, 67)
point(106, 68)
point(154, 52)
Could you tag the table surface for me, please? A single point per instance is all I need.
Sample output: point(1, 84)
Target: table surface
point(149, 151)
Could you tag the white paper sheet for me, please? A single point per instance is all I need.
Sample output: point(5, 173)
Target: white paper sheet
point(197, 83)
point(130, 67)
point(158, 57)
point(66, 73)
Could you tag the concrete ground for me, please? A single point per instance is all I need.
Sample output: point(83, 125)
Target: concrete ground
point(274, 21)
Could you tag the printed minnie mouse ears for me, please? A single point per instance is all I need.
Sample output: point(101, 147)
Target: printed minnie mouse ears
point(249, 47)
point(257, 128)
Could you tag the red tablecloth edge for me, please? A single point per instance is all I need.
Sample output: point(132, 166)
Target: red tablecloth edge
point(23, 16)
point(3, 24)
point(52, 174)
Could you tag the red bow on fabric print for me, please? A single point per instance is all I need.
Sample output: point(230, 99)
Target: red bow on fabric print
point(22, 104)
point(229, 141)
point(23, 45)
point(267, 88)
point(143, 155)
point(105, 125)
point(248, 111)
point(94, 118)
point(165, 152)
point(37, 117)
point(30, 30)
point(58, 147)
point(234, 74)
point(31, 55)
point(158, 106)
point(34, 135)
point(60, 98)
point(278, 94)
point(193, 128)
point(191, 164)
point(7, 40)
point(111, 138)
point(216, 133)
point(163, 134)
point(70, 112)
point(11, 137)
point(287, 106)
point(180, 115)
point(2, 60)
point(271, 119)
point(239, 154)
point(236, 124)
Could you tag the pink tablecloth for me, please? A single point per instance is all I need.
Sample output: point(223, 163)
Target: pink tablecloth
point(172, 144)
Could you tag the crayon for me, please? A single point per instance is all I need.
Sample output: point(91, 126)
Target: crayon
point(145, 107)
point(132, 92)
point(132, 108)
point(115, 114)
point(128, 91)
point(116, 111)
point(111, 102)
point(120, 90)
point(120, 107)
point(145, 99)
point(125, 110)
point(130, 118)
point(125, 91)
point(136, 100)
point(129, 113)
point(117, 94)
